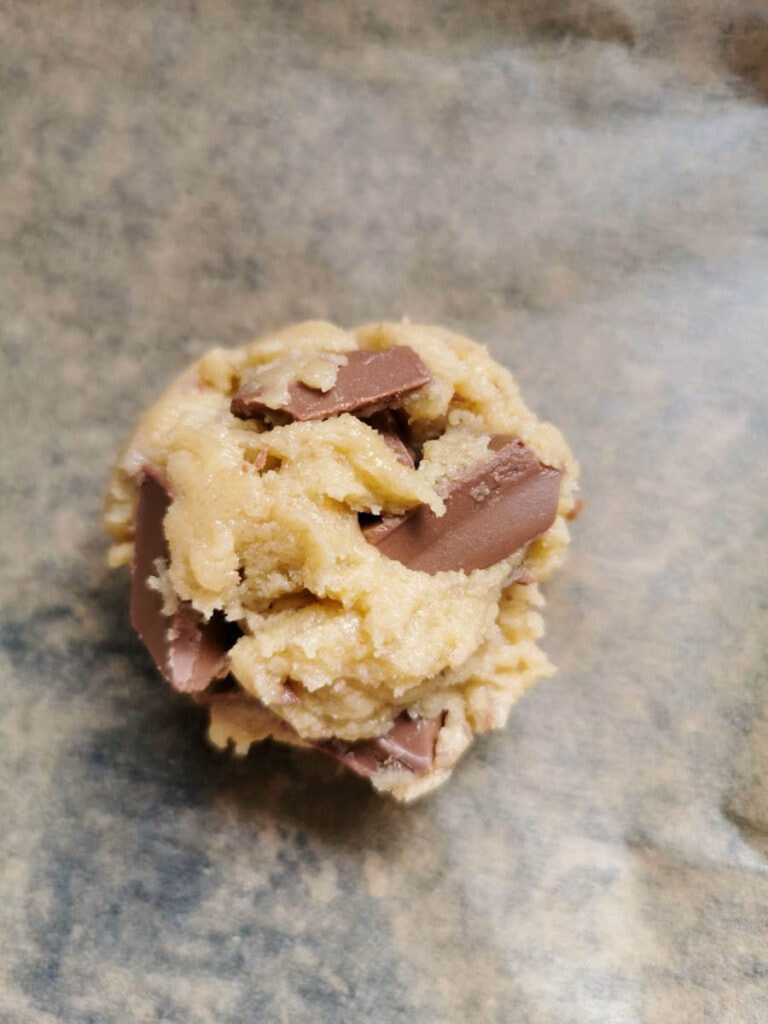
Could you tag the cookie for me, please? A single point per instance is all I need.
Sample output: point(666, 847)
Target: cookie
point(336, 540)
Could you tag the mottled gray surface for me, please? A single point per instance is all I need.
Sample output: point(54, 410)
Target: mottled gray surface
point(582, 185)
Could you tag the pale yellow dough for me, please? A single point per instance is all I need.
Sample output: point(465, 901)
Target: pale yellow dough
point(338, 639)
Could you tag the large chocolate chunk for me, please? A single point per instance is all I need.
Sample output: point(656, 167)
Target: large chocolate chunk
point(368, 382)
point(491, 511)
point(410, 744)
point(188, 651)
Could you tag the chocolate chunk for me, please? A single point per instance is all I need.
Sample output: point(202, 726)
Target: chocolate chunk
point(149, 544)
point(188, 651)
point(386, 425)
point(197, 650)
point(491, 511)
point(410, 743)
point(368, 382)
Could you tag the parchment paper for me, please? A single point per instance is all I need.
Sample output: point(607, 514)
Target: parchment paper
point(584, 187)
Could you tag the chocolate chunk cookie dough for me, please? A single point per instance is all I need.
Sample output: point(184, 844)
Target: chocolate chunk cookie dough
point(336, 540)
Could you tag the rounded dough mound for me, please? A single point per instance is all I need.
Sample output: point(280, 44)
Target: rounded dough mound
point(337, 638)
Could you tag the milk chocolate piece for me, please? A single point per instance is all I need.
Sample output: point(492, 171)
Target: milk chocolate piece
point(491, 511)
point(386, 425)
point(410, 743)
point(368, 382)
point(149, 544)
point(197, 650)
point(188, 651)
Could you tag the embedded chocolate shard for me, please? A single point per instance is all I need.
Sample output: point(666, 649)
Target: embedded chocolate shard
point(365, 384)
point(189, 652)
point(386, 425)
point(149, 545)
point(196, 649)
point(491, 511)
point(377, 531)
point(409, 744)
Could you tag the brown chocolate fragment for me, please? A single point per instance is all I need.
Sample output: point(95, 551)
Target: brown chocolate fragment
point(188, 651)
point(368, 382)
point(197, 650)
point(149, 544)
point(492, 510)
point(410, 744)
point(386, 425)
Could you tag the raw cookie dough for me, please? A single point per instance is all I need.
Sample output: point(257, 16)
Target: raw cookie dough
point(273, 503)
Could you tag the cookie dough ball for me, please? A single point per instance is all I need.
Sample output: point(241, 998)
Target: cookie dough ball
point(337, 539)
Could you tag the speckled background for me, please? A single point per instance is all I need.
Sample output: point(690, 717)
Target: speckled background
point(581, 185)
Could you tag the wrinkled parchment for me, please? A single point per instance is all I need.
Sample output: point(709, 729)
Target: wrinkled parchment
point(581, 185)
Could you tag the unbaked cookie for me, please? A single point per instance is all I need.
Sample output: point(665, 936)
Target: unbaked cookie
point(336, 540)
